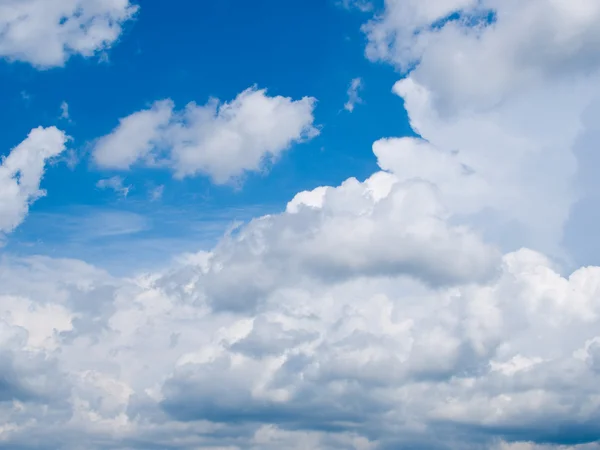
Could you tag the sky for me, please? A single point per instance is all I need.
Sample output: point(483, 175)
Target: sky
point(316, 224)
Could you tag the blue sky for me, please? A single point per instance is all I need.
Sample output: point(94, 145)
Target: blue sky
point(190, 53)
point(333, 224)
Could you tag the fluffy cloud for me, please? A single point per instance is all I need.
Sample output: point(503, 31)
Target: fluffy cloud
point(360, 317)
point(377, 228)
point(21, 173)
point(508, 112)
point(46, 33)
point(221, 140)
point(377, 314)
point(380, 360)
point(471, 54)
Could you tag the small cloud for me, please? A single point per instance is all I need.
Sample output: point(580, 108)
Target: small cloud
point(116, 184)
point(26, 96)
point(104, 58)
point(64, 111)
point(361, 5)
point(353, 94)
point(157, 193)
point(71, 159)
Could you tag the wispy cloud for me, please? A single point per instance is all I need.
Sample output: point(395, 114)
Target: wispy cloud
point(125, 242)
point(361, 5)
point(157, 193)
point(64, 111)
point(115, 183)
point(26, 96)
point(354, 99)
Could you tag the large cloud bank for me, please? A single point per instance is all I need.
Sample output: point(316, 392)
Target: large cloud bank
point(396, 312)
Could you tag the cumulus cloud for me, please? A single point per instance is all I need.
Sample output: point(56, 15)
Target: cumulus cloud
point(364, 361)
point(354, 94)
point(21, 173)
point(477, 47)
point(46, 33)
point(378, 228)
point(360, 317)
point(509, 112)
point(220, 140)
point(376, 314)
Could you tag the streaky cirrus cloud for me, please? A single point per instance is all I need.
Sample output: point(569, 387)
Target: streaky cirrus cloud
point(219, 140)
point(22, 171)
point(46, 33)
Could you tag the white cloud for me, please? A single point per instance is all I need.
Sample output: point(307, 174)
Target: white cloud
point(365, 361)
point(46, 33)
point(115, 183)
point(361, 5)
point(134, 138)
point(354, 94)
point(360, 317)
point(466, 66)
point(157, 193)
point(21, 173)
point(509, 113)
point(221, 140)
point(370, 315)
point(64, 111)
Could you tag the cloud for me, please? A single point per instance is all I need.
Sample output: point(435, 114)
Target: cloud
point(360, 5)
point(362, 361)
point(46, 33)
point(21, 173)
point(220, 140)
point(377, 228)
point(115, 183)
point(157, 193)
point(353, 94)
point(376, 314)
point(64, 111)
point(360, 317)
point(26, 96)
point(482, 99)
point(134, 138)
point(480, 45)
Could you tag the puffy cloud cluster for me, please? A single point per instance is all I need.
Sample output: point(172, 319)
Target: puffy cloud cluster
point(221, 140)
point(360, 317)
point(315, 328)
point(21, 173)
point(378, 314)
point(499, 87)
point(46, 33)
